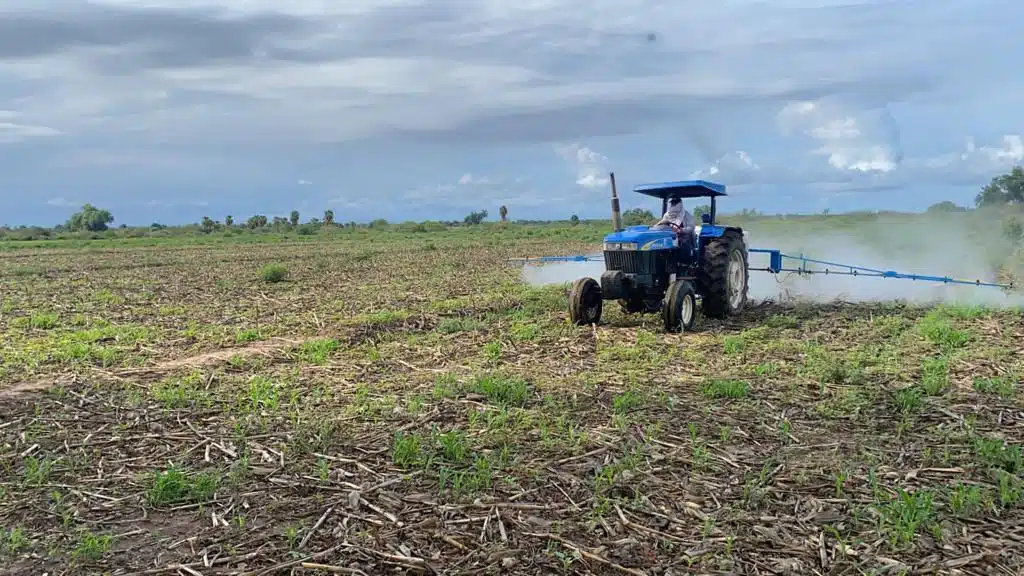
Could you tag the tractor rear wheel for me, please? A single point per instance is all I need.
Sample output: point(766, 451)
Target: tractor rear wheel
point(680, 307)
point(724, 275)
point(585, 302)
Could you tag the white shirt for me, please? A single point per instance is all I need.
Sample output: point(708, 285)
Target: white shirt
point(677, 215)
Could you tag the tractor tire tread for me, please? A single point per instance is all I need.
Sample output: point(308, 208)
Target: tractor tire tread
point(671, 313)
point(713, 272)
point(576, 293)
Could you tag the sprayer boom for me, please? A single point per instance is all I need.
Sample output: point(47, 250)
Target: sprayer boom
point(777, 258)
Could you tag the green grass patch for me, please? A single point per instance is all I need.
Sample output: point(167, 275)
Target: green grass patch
point(274, 273)
point(13, 541)
point(908, 400)
point(502, 389)
point(722, 388)
point(937, 328)
point(175, 486)
point(456, 325)
point(1004, 387)
point(247, 335)
point(91, 547)
point(934, 375)
point(318, 351)
point(901, 519)
point(182, 392)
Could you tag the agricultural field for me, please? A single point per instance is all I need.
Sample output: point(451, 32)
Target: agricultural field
point(404, 403)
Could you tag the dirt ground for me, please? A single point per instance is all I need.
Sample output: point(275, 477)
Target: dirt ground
point(170, 411)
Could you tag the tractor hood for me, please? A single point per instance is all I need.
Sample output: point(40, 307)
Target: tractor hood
point(640, 238)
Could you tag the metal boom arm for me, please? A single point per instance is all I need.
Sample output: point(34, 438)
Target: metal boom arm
point(776, 258)
point(775, 266)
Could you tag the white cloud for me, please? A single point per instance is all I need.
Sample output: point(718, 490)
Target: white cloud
point(591, 166)
point(851, 138)
point(14, 132)
point(1010, 153)
point(973, 164)
point(63, 203)
point(734, 169)
point(468, 179)
point(304, 182)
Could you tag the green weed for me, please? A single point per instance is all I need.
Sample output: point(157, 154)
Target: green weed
point(247, 335)
point(902, 518)
point(37, 472)
point(719, 388)
point(407, 450)
point(907, 400)
point(502, 389)
point(274, 273)
point(934, 375)
point(13, 541)
point(175, 486)
point(937, 328)
point(182, 392)
point(1003, 387)
point(91, 547)
point(456, 325)
point(317, 351)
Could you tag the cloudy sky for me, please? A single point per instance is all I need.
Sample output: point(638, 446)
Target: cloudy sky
point(170, 110)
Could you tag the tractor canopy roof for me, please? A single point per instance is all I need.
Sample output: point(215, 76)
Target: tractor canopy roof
point(683, 189)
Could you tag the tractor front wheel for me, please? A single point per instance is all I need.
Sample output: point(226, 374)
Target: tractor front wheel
point(585, 302)
point(680, 307)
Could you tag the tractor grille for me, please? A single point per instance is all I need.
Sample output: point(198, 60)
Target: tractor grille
point(630, 261)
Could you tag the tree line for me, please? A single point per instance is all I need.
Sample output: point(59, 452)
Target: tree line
point(1003, 190)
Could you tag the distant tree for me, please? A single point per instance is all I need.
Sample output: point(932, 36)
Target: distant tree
point(89, 218)
point(328, 217)
point(701, 210)
point(637, 217)
point(1001, 190)
point(294, 219)
point(574, 219)
point(945, 207)
point(156, 226)
point(279, 222)
point(503, 212)
point(229, 221)
point(257, 221)
point(207, 225)
point(474, 218)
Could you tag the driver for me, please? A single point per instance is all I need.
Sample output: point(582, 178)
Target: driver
point(676, 216)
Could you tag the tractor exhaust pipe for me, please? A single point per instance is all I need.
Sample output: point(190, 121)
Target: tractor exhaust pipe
point(616, 214)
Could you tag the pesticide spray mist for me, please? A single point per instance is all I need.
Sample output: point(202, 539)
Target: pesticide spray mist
point(939, 246)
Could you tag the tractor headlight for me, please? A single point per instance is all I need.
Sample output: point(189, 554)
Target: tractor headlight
point(620, 245)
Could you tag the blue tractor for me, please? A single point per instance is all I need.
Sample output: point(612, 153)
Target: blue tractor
point(654, 269)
